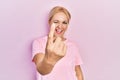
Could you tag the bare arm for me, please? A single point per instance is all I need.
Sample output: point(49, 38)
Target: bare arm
point(43, 66)
point(54, 51)
point(79, 73)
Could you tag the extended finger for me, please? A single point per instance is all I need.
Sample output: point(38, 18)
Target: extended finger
point(51, 34)
point(52, 30)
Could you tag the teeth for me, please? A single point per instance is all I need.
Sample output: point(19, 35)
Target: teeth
point(59, 30)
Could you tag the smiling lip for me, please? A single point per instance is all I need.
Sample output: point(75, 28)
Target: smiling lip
point(58, 31)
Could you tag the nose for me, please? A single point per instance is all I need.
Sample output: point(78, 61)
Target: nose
point(60, 25)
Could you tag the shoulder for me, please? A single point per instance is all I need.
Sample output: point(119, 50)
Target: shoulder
point(40, 39)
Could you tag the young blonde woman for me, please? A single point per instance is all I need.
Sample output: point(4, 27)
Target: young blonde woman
point(56, 57)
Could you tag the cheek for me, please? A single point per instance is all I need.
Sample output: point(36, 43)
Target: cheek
point(65, 27)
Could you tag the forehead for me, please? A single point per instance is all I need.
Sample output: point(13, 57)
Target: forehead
point(60, 16)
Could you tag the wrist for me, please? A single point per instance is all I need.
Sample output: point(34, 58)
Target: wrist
point(49, 61)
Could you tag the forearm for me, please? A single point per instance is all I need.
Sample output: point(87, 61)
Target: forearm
point(80, 77)
point(79, 73)
point(45, 66)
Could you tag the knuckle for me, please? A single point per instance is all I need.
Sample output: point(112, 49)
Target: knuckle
point(49, 37)
point(58, 38)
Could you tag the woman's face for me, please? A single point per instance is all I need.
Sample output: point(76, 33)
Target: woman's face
point(61, 22)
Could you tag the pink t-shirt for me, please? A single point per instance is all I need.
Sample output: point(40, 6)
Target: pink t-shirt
point(65, 67)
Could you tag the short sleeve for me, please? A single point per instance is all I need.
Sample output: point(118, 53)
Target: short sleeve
point(78, 59)
point(37, 47)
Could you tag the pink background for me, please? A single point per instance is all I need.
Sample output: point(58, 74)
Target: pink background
point(95, 26)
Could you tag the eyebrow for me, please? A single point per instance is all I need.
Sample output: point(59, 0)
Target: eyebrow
point(62, 21)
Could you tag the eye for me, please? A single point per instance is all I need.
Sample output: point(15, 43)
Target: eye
point(65, 22)
point(55, 21)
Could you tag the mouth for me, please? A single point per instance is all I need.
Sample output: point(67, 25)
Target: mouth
point(58, 31)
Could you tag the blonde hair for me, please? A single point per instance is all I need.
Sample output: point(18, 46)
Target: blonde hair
point(58, 9)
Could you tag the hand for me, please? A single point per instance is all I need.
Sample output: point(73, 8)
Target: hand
point(55, 49)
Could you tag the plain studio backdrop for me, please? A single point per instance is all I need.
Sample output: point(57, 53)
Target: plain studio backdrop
point(95, 26)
